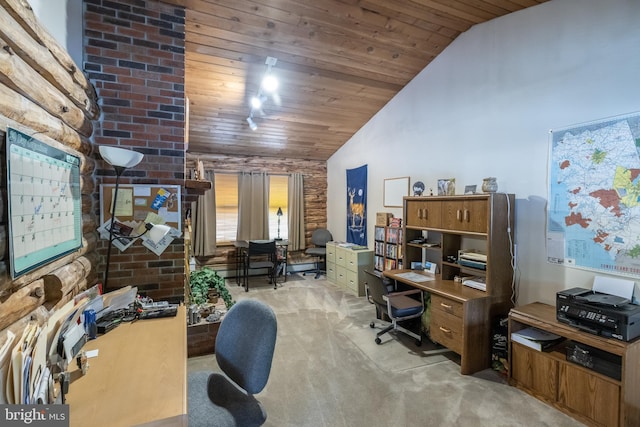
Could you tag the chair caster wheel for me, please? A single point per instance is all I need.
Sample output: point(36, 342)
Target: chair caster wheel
point(372, 325)
point(378, 341)
point(418, 343)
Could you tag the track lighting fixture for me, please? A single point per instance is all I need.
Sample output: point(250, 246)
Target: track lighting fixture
point(252, 125)
point(268, 88)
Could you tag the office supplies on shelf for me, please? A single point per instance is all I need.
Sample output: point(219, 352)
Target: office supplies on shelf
point(536, 338)
point(475, 282)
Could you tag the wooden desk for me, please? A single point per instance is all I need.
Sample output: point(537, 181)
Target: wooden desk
point(282, 262)
point(460, 318)
point(139, 376)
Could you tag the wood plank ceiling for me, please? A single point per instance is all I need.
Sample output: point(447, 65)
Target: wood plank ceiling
point(338, 63)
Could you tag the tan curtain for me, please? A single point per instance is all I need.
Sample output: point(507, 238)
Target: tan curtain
point(203, 220)
point(253, 206)
point(296, 212)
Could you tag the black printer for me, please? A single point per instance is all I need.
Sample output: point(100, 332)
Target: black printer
point(598, 313)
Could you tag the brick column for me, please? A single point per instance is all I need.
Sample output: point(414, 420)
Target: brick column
point(134, 56)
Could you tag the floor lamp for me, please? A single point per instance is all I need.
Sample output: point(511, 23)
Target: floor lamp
point(279, 215)
point(121, 160)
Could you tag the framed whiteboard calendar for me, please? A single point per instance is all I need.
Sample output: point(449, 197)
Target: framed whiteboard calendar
point(45, 211)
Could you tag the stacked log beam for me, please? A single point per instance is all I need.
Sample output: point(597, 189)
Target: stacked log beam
point(44, 94)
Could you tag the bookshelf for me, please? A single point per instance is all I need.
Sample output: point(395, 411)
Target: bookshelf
point(387, 248)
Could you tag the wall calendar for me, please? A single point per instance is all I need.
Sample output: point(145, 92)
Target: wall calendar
point(45, 211)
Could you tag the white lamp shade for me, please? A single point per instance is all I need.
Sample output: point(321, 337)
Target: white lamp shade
point(120, 157)
point(157, 232)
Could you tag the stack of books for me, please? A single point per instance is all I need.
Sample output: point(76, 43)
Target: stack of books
point(536, 339)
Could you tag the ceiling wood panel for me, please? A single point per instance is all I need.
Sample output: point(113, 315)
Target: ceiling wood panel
point(339, 62)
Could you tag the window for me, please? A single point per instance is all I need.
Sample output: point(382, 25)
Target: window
point(278, 198)
point(226, 187)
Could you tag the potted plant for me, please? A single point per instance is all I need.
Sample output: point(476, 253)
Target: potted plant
point(205, 279)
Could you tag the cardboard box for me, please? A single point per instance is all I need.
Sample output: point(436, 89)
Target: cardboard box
point(382, 218)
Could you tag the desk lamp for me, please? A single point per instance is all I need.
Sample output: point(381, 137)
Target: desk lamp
point(279, 214)
point(121, 160)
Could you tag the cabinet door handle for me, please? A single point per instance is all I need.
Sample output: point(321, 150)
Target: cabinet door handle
point(445, 330)
point(447, 306)
point(459, 215)
point(425, 213)
point(467, 216)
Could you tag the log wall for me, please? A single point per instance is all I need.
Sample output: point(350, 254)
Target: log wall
point(44, 94)
point(315, 193)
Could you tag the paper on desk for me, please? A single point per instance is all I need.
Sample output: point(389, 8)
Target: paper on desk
point(415, 277)
point(613, 286)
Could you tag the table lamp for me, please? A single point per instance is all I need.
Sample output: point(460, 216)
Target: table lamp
point(122, 159)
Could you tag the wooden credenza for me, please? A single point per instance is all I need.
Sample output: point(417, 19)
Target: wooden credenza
point(590, 397)
point(435, 229)
point(345, 267)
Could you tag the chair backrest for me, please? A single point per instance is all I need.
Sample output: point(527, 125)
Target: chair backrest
point(245, 344)
point(321, 236)
point(267, 247)
point(377, 288)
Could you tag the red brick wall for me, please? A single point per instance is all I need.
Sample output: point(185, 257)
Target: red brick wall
point(134, 56)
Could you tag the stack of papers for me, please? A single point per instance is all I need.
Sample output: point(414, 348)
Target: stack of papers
point(475, 282)
point(536, 338)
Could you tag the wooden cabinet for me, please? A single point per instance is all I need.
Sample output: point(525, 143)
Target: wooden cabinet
point(422, 213)
point(468, 215)
point(435, 230)
point(590, 397)
point(388, 248)
point(345, 267)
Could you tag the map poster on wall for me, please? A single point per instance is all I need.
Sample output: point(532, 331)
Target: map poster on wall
point(45, 212)
point(594, 196)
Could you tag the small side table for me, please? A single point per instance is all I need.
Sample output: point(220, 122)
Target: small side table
point(283, 254)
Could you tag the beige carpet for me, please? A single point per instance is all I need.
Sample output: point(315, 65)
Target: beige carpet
point(328, 372)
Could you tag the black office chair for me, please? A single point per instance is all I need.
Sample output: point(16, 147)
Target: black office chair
point(261, 255)
point(396, 306)
point(320, 237)
point(245, 344)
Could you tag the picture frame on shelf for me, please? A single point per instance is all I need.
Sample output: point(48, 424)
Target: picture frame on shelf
point(447, 187)
point(470, 189)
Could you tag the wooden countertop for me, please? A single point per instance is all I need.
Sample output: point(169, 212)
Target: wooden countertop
point(139, 376)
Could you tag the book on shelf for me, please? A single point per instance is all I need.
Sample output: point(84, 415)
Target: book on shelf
point(536, 339)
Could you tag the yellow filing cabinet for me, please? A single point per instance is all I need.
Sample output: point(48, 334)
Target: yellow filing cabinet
point(345, 267)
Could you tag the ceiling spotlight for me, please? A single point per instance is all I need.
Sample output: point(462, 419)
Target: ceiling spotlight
point(252, 124)
point(256, 102)
point(270, 83)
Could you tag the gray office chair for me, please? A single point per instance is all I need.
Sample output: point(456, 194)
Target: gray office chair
point(397, 306)
point(244, 351)
point(320, 237)
point(261, 255)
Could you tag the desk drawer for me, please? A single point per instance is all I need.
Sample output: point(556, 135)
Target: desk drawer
point(446, 329)
point(353, 283)
point(351, 260)
point(331, 271)
point(331, 253)
point(446, 305)
point(341, 257)
point(341, 276)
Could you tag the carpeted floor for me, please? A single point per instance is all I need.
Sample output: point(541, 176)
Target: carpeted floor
point(328, 372)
